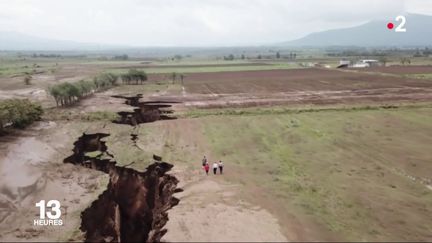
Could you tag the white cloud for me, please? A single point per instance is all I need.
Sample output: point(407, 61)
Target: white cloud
point(192, 22)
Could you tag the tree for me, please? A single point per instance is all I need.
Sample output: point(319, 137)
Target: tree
point(70, 93)
point(123, 57)
point(27, 79)
point(278, 55)
point(243, 57)
point(383, 60)
point(55, 92)
point(405, 60)
point(18, 113)
point(259, 57)
point(173, 76)
point(132, 75)
point(182, 76)
point(230, 57)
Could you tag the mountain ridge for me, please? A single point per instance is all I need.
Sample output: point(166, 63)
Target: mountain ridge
point(372, 33)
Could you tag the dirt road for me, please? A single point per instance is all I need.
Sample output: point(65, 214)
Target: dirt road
point(210, 210)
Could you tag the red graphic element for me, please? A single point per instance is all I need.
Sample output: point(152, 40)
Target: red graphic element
point(390, 26)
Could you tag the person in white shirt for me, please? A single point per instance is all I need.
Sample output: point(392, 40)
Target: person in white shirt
point(220, 167)
point(215, 167)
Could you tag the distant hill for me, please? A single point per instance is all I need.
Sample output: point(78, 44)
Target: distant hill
point(374, 33)
point(13, 41)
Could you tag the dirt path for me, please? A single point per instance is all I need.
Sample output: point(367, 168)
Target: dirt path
point(210, 210)
point(31, 170)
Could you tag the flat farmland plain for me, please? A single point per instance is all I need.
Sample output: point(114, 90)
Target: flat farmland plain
point(294, 80)
point(300, 86)
point(397, 69)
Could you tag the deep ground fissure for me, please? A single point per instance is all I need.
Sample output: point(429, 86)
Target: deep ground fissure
point(134, 206)
point(144, 112)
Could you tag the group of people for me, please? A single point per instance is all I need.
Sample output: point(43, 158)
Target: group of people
point(216, 165)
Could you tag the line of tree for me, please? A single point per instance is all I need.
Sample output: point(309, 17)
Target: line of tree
point(230, 57)
point(69, 93)
point(405, 60)
point(18, 113)
point(123, 57)
point(133, 76)
point(175, 75)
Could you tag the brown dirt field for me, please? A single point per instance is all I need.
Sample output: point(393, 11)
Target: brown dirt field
point(292, 80)
point(191, 65)
point(398, 69)
point(65, 72)
point(296, 86)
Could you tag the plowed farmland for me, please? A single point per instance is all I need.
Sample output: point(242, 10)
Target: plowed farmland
point(293, 80)
point(299, 86)
point(400, 69)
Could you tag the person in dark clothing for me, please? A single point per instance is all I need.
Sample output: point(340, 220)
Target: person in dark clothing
point(204, 161)
point(220, 167)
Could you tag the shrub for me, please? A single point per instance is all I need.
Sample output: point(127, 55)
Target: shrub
point(18, 113)
point(27, 79)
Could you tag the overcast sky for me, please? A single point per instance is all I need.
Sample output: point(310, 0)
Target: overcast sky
point(193, 22)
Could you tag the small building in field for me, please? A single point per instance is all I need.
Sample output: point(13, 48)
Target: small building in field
point(371, 62)
point(359, 64)
point(344, 64)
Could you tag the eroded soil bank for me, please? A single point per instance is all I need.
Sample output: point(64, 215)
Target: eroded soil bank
point(134, 206)
point(145, 112)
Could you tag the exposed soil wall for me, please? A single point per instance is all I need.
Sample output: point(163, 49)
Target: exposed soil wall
point(145, 112)
point(134, 206)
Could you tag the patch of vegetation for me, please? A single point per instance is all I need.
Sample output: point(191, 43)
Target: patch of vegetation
point(99, 116)
point(134, 75)
point(71, 115)
point(149, 88)
point(195, 113)
point(421, 75)
point(195, 69)
point(18, 113)
point(325, 163)
point(27, 79)
point(69, 93)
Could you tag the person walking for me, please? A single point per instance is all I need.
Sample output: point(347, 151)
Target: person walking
point(204, 161)
point(220, 167)
point(215, 167)
point(206, 168)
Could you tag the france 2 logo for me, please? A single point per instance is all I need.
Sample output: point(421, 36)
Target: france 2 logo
point(53, 214)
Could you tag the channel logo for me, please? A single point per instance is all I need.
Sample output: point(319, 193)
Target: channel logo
point(49, 213)
point(401, 24)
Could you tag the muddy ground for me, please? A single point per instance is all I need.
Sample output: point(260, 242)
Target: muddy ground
point(398, 69)
point(211, 208)
point(31, 171)
point(32, 168)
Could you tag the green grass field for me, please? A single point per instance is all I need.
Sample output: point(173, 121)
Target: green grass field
point(422, 76)
point(344, 168)
point(211, 69)
point(349, 170)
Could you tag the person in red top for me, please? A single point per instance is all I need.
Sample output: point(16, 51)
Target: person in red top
point(206, 168)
